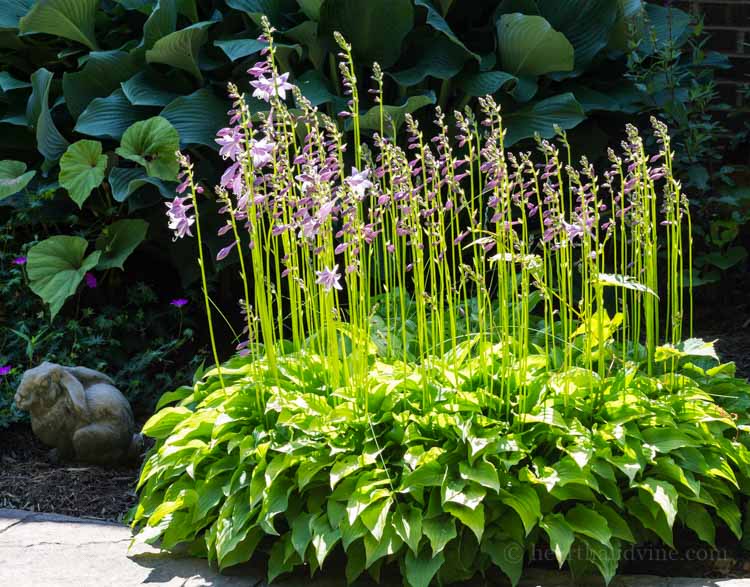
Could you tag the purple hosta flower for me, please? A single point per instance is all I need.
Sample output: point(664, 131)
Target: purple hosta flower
point(179, 219)
point(178, 302)
point(259, 69)
point(265, 87)
point(262, 151)
point(329, 278)
point(232, 178)
point(90, 280)
point(19, 261)
point(230, 140)
point(5, 369)
point(325, 211)
point(225, 251)
point(358, 182)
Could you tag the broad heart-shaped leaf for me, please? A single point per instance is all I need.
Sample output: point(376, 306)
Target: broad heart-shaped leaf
point(13, 177)
point(664, 494)
point(118, 240)
point(486, 83)
point(12, 12)
point(275, 10)
point(525, 502)
point(541, 117)
point(180, 48)
point(699, 521)
point(667, 24)
point(82, 169)
point(438, 57)
point(153, 144)
point(72, 19)
point(371, 118)
point(197, 117)
point(421, 569)
point(586, 521)
point(438, 23)
point(110, 117)
point(161, 22)
point(375, 29)
point(56, 267)
point(507, 555)
point(50, 142)
point(100, 76)
point(149, 88)
point(528, 45)
point(561, 536)
point(314, 87)
point(587, 24)
point(125, 182)
point(236, 49)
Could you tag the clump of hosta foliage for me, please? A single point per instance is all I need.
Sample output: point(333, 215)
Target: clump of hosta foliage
point(453, 355)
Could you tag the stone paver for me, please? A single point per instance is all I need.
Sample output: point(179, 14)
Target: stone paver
point(48, 550)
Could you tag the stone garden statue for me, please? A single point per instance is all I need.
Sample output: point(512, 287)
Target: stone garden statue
point(80, 413)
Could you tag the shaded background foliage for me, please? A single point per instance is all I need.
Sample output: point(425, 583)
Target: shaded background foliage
point(95, 96)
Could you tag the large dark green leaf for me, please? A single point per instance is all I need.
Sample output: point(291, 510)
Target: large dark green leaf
point(110, 117)
point(375, 29)
point(666, 25)
point(180, 48)
point(587, 24)
point(161, 22)
point(197, 117)
point(125, 182)
point(439, 24)
point(72, 19)
point(153, 144)
point(82, 169)
point(437, 56)
point(49, 141)
point(371, 118)
point(528, 45)
point(486, 83)
point(13, 177)
point(56, 267)
point(100, 76)
point(118, 241)
point(277, 11)
point(421, 569)
point(542, 116)
point(147, 88)
point(12, 11)
point(240, 48)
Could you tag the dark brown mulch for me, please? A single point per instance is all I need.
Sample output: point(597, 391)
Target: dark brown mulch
point(29, 481)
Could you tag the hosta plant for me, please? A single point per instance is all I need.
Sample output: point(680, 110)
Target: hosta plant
point(452, 354)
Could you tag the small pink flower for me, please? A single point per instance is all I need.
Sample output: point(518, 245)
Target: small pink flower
point(19, 261)
point(90, 280)
point(329, 278)
point(5, 369)
point(178, 302)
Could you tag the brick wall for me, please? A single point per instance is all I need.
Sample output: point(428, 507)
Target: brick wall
point(728, 24)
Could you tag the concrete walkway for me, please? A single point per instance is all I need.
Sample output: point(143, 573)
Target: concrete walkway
point(47, 550)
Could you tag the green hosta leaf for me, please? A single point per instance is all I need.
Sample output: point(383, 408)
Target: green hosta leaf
point(374, 517)
point(153, 144)
point(507, 555)
point(377, 549)
point(315, 88)
point(50, 142)
point(604, 557)
point(56, 267)
point(439, 531)
point(664, 494)
point(586, 24)
point(469, 495)
point(71, 19)
point(407, 522)
point(471, 518)
point(99, 77)
point(667, 439)
point(119, 240)
point(586, 521)
point(437, 57)
point(699, 521)
point(438, 23)
point(561, 536)
point(12, 12)
point(125, 182)
point(311, 8)
point(8, 83)
point(240, 48)
point(692, 347)
point(302, 533)
point(163, 422)
point(324, 537)
point(525, 502)
point(421, 569)
point(275, 10)
point(13, 177)
point(180, 48)
point(375, 29)
point(371, 118)
point(82, 169)
point(197, 117)
point(161, 22)
point(146, 88)
point(541, 117)
point(486, 83)
point(528, 45)
point(109, 117)
point(617, 525)
point(482, 473)
point(667, 25)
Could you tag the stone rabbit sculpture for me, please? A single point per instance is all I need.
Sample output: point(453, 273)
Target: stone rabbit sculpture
point(80, 413)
